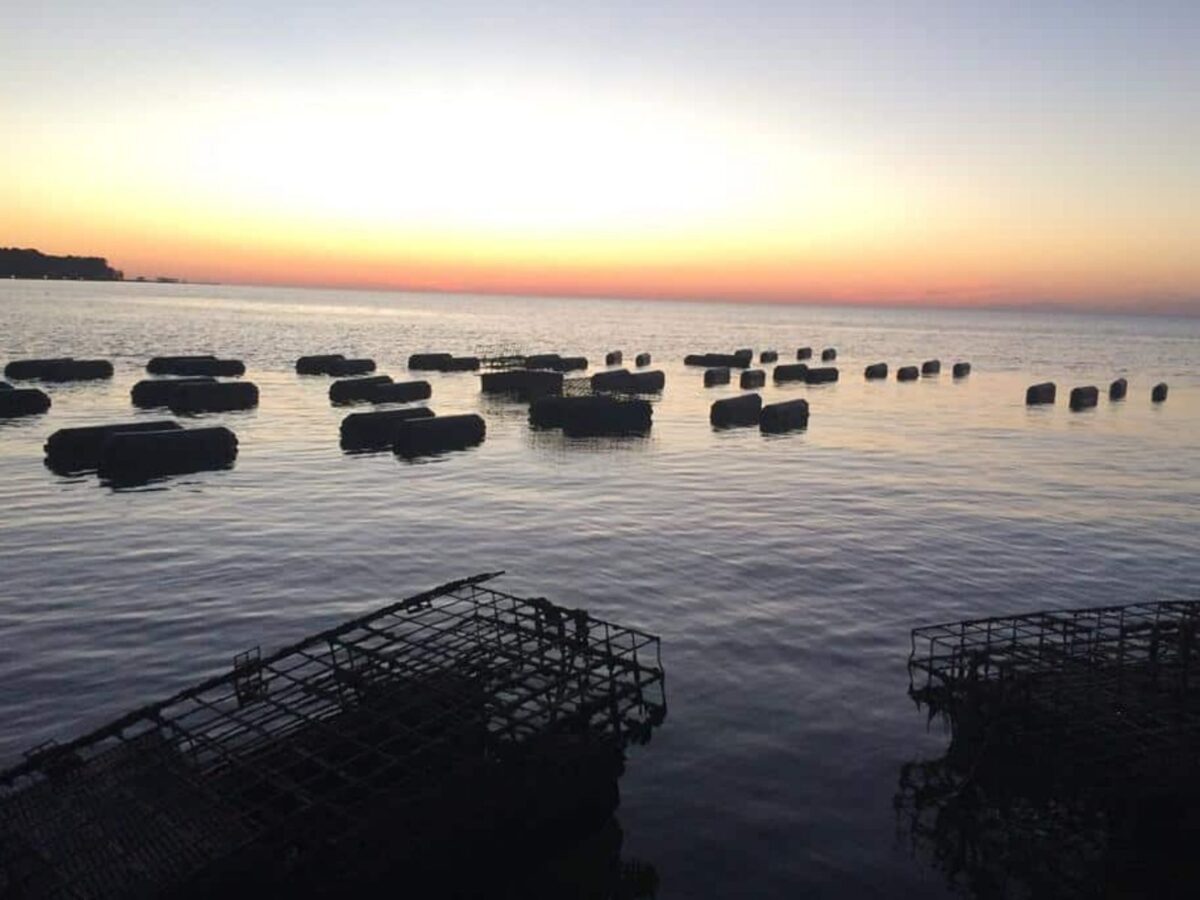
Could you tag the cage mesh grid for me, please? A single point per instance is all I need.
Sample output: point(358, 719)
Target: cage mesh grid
point(1113, 684)
point(399, 700)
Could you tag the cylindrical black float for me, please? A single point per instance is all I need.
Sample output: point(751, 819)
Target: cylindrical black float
point(429, 362)
point(768, 356)
point(372, 430)
point(752, 379)
point(613, 358)
point(642, 360)
point(1159, 392)
point(463, 364)
point(786, 416)
point(616, 380)
point(828, 354)
point(196, 365)
point(790, 372)
point(344, 368)
point(572, 363)
point(876, 370)
point(436, 434)
point(317, 365)
point(734, 412)
point(356, 389)
point(1118, 389)
point(136, 456)
point(23, 402)
point(1084, 397)
point(78, 449)
point(931, 367)
point(1040, 393)
point(716, 376)
point(158, 392)
point(222, 396)
point(59, 369)
point(606, 416)
point(400, 392)
point(908, 373)
point(522, 383)
point(804, 353)
point(821, 375)
point(962, 369)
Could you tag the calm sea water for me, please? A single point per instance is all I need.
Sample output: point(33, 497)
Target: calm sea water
point(782, 573)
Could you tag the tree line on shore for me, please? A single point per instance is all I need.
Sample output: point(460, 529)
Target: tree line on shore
point(28, 263)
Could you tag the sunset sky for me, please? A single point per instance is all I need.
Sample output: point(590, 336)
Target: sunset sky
point(957, 153)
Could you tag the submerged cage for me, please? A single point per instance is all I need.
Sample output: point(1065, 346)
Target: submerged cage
point(1073, 767)
point(463, 712)
point(1114, 686)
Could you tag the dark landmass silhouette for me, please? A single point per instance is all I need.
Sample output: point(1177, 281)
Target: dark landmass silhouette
point(28, 263)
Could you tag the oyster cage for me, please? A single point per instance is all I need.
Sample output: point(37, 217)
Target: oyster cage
point(403, 728)
point(1114, 686)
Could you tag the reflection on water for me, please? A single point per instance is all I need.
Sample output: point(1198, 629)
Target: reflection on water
point(783, 572)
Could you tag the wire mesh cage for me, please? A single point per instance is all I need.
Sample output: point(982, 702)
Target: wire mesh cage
point(289, 752)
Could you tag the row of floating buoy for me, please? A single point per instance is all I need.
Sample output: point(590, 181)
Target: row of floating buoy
point(748, 410)
point(878, 371)
point(410, 432)
point(1087, 396)
point(136, 452)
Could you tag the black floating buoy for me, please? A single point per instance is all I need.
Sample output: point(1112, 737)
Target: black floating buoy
point(734, 412)
point(828, 354)
point(804, 353)
point(1084, 397)
point(714, 377)
point(17, 402)
point(1159, 392)
point(613, 358)
point(786, 416)
point(221, 396)
point(931, 367)
point(642, 360)
point(196, 365)
point(523, 383)
point(753, 378)
point(572, 363)
point(158, 391)
point(962, 369)
point(790, 372)
point(316, 365)
point(714, 360)
point(606, 417)
point(743, 358)
point(1038, 394)
point(1118, 389)
point(436, 434)
point(344, 368)
point(400, 392)
point(768, 356)
point(377, 430)
point(59, 370)
point(821, 376)
point(353, 390)
point(78, 449)
point(462, 364)
point(625, 382)
point(875, 370)
point(429, 362)
point(547, 412)
point(908, 373)
point(551, 361)
point(131, 457)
